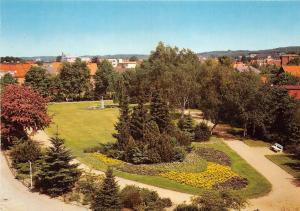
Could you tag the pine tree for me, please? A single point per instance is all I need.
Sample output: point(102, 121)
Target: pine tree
point(159, 111)
point(107, 198)
point(138, 121)
point(57, 176)
point(186, 123)
point(123, 125)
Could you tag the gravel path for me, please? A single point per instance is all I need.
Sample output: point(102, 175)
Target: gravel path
point(285, 196)
point(14, 196)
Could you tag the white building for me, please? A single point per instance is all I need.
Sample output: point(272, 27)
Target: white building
point(114, 62)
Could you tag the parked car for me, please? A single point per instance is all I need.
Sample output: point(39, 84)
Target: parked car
point(276, 147)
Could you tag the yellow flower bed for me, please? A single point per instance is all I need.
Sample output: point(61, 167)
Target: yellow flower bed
point(215, 173)
point(107, 160)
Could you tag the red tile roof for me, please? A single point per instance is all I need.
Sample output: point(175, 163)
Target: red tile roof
point(293, 70)
point(19, 69)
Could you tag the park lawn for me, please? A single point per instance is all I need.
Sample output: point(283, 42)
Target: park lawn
point(287, 162)
point(256, 143)
point(82, 128)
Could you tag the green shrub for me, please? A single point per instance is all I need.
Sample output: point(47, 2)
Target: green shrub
point(202, 132)
point(211, 200)
point(25, 151)
point(136, 198)
point(187, 207)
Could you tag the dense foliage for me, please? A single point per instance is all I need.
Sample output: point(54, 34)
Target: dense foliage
point(202, 132)
point(22, 110)
point(38, 79)
point(136, 198)
point(7, 79)
point(75, 80)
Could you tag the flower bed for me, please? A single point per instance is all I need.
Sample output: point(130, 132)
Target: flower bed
point(214, 174)
point(213, 155)
point(107, 160)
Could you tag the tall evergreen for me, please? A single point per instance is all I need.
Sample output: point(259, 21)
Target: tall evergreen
point(123, 126)
point(107, 198)
point(57, 176)
point(186, 123)
point(159, 111)
point(138, 121)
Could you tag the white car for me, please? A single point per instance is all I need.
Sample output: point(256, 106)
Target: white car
point(276, 147)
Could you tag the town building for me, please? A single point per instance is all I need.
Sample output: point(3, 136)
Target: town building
point(286, 58)
point(293, 91)
point(18, 70)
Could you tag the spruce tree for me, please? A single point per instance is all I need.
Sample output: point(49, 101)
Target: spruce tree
point(123, 125)
point(107, 198)
point(57, 176)
point(159, 111)
point(138, 121)
point(186, 123)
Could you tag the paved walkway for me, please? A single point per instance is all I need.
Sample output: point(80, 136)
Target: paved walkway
point(285, 196)
point(14, 196)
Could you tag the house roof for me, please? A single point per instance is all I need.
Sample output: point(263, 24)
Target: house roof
point(93, 68)
point(19, 69)
point(292, 87)
point(293, 70)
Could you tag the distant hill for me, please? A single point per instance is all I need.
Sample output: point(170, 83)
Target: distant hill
point(275, 52)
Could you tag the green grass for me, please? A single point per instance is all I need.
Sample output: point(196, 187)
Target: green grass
point(256, 143)
point(287, 162)
point(83, 128)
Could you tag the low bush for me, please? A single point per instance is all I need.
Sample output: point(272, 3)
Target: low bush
point(224, 200)
point(234, 183)
point(213, 155)
point(92, 149)
point(25, 151)
point(202, 132)
point(187, 207)
point(136, 198)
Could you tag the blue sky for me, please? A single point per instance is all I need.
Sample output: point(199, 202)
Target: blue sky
point(35, 28)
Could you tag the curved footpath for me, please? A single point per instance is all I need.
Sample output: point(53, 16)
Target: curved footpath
point(14, 196)
point(284, 195)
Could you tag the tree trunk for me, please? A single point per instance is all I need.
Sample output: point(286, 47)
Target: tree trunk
point(213, 127)
point(245, 130)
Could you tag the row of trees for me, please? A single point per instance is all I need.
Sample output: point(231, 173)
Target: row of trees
point(263, 110)
point(73, 82)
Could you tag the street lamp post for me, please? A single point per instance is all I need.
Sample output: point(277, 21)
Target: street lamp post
point(30, 169)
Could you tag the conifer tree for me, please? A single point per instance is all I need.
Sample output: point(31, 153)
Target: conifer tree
point(159, 111)
point(138, 121)
point(57, 176)
point(186, 123)
point(107, 197)
point(123, 125)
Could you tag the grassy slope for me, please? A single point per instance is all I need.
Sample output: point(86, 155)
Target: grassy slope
point(84, 128)
point(287, 162)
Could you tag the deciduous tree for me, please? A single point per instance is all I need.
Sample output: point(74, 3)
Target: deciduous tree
point(23, 109)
